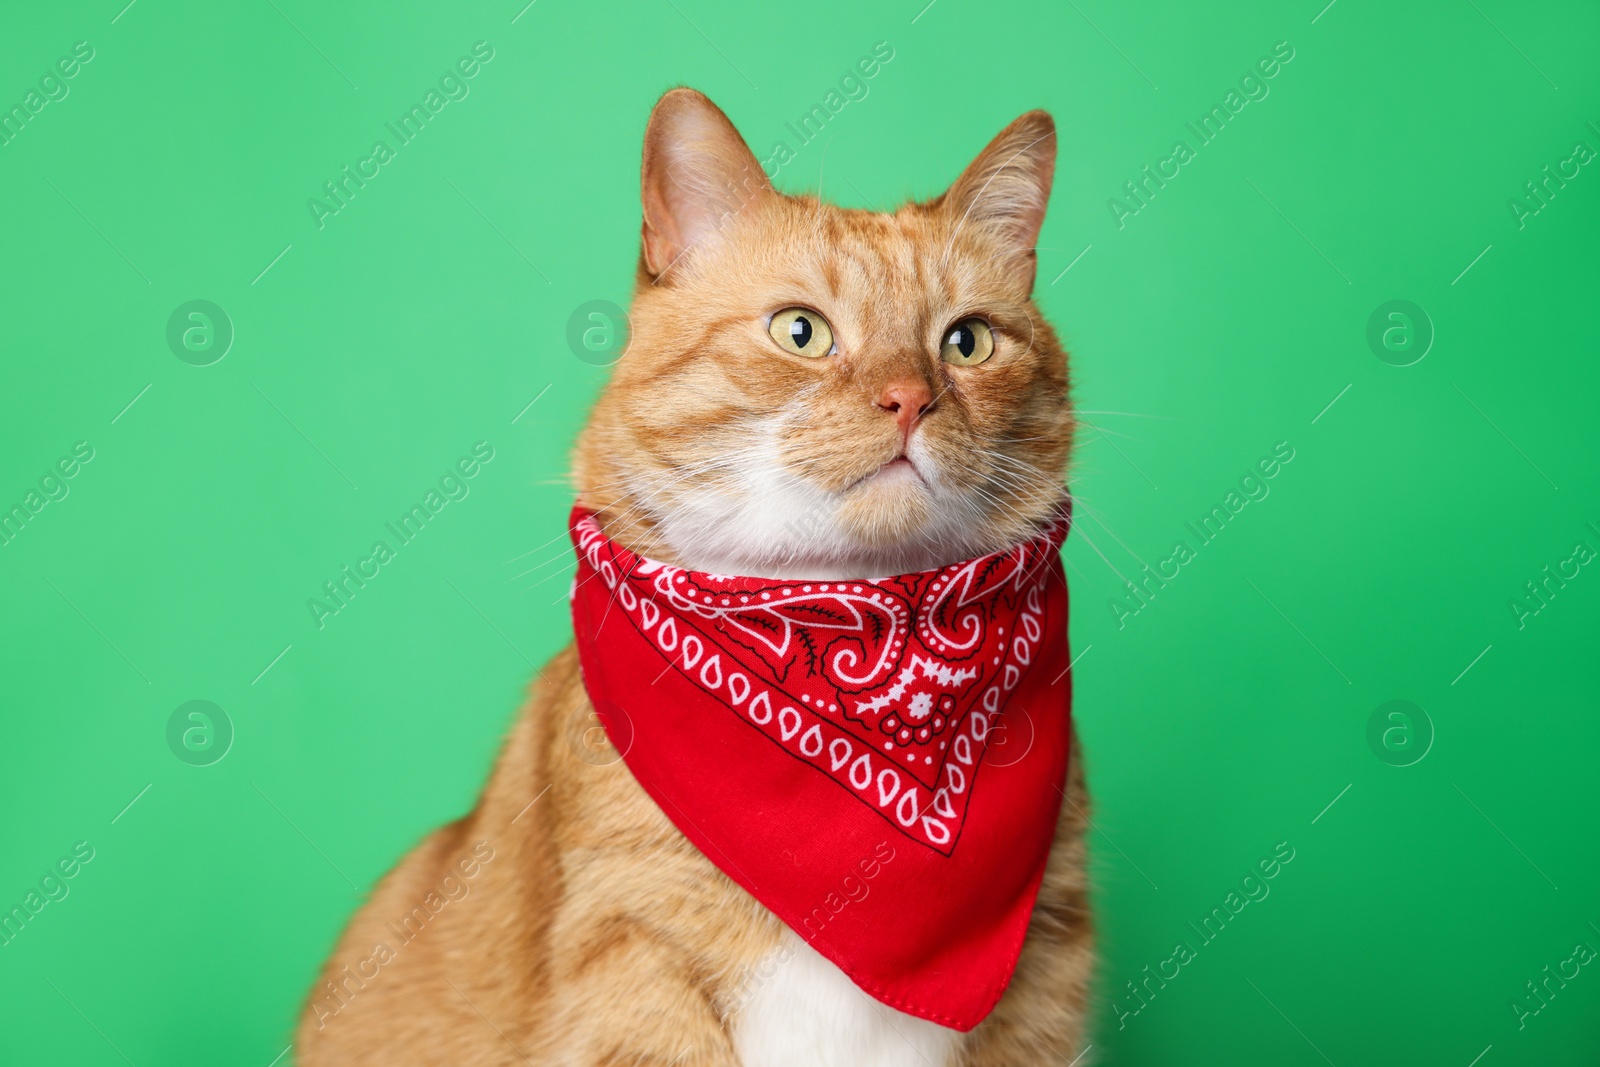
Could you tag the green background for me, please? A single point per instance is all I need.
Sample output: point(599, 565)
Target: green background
point(1224, 718)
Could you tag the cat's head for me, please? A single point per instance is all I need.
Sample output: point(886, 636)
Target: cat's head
point(810, 391)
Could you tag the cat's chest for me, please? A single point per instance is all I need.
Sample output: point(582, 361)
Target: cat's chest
point(806, 1013)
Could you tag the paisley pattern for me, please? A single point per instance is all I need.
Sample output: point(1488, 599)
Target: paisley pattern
point(891, 687)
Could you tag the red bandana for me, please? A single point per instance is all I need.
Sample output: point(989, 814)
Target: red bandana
point(879, 763)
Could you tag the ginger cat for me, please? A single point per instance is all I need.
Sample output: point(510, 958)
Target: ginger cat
point(565, 920)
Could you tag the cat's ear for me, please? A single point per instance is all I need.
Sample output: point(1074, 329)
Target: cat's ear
point(698, 175)
point(1006, 188)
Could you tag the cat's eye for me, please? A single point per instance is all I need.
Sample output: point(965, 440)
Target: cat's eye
point(801, 332)
point(967, 343)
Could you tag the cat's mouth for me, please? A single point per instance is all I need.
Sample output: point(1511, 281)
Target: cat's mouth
point(902, 469)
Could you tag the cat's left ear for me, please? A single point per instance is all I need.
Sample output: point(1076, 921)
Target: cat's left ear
point(698, 176)
point(1006, 188)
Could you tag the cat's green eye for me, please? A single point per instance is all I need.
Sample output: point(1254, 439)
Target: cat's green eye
point(801, 332)
point(967, 343)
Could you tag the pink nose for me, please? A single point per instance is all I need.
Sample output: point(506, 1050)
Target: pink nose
point(907, 401)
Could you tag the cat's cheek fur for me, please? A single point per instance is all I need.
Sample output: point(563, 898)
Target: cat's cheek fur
point(713, 527)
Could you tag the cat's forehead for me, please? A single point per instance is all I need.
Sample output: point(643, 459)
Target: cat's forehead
point(911, 259)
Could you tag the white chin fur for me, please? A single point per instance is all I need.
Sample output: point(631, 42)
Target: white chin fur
point(771, 523)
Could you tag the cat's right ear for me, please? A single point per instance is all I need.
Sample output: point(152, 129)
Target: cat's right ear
point(698, 175)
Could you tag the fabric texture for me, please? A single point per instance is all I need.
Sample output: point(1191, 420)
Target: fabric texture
point(879, 763)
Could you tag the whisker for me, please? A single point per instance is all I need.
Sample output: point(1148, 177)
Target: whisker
point(1129, 414)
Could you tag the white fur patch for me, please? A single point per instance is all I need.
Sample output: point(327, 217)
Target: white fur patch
point(808, 1014)
point(761, 518)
